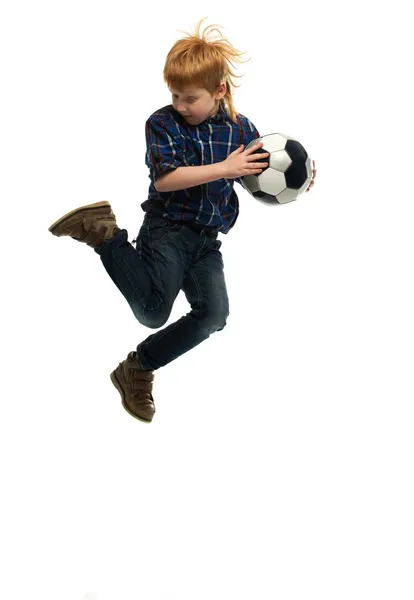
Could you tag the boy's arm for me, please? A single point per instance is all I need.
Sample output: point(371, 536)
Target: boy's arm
point(165, 157)
point(186, 177)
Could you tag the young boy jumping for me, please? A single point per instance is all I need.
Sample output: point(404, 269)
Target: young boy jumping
point(194, 152)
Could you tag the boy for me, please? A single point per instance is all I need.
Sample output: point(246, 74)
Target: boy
point(194, 154)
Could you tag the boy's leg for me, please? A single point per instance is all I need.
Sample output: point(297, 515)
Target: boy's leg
point(151, 275)
point(205, 290)
point(168, 257)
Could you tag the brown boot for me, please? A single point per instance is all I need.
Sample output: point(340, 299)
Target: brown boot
point(91, 224)
point(135, 387)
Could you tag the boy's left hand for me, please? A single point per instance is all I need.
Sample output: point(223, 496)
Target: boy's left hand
point(313, 176)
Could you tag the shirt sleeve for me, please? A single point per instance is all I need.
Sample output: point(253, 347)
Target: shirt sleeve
point(164, 152)
point(250, 133)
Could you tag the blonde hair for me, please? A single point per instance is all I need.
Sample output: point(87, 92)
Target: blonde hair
point(198, 61)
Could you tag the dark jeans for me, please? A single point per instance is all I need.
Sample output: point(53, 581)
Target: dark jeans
point(169, 257)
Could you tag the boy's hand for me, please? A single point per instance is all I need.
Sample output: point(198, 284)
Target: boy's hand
point(313, 176)
point(240, 163)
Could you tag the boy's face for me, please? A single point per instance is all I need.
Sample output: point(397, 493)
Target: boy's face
point(196, 104)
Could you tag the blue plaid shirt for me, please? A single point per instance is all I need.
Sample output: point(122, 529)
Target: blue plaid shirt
point(171, 143)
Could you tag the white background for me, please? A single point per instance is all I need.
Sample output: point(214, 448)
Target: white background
point(279, 464)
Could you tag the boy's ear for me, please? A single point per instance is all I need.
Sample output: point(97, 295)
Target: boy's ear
point(222, 89)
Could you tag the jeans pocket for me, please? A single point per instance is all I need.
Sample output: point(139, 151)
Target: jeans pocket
point(174, 226)
point(160, 227)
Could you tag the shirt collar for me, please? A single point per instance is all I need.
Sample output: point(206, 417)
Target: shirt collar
point(221, 114)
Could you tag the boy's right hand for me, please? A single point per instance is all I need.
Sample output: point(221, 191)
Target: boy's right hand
point(240, 163)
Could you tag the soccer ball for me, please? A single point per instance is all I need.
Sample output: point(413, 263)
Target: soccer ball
point(288, 174)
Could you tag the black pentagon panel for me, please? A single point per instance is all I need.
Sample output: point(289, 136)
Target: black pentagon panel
point(266, 198)
point(259, 151)
point(265, 158)
point(296, 151)
point(296, 174)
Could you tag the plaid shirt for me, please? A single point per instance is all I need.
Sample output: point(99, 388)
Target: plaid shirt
point(171, 143)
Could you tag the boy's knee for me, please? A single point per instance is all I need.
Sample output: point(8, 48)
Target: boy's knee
point(151, 319)
point(216, 322)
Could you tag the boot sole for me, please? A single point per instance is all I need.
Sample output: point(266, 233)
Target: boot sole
point(118, 386)
point(95, 206)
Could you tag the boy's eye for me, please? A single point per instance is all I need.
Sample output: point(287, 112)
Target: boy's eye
point(190, 99)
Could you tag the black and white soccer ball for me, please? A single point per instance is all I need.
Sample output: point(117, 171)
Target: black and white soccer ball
point(288, 174)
